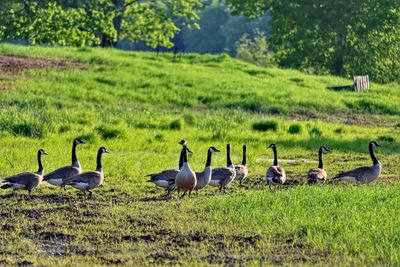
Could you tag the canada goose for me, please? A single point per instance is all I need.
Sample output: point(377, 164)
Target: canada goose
point(185, 178)
point(166, 178)
point(223, 176)
point(56, 177)
point(275, 174)
point(26, 180)
point(318, 175)
point(363, 175)
point(204, 177)
point(241, 170)
point(88, 180)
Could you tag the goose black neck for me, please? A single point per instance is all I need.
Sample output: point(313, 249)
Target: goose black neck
point(228, 156)
point(181, 158)
point(74, 159)
point(275, 156)
point(320, 164)
point(184, 151)
point(99, 153)
point(208, 162)
point(39, 158)
point(244, 156)
point(371, 153)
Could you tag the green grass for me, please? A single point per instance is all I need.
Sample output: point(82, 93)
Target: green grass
point(139, 105)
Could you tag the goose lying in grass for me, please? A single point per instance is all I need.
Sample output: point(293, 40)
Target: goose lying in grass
point(318, 175)
point(204, 177)
point(88, 180)
point(223, 176)
point(241, 169)
point(363, 175)
point(275, 175)
point(185, 179)
point(56, 177)
point(166, 178)
point(26, 180)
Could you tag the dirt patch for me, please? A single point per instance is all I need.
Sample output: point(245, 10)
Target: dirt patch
point(15, 65)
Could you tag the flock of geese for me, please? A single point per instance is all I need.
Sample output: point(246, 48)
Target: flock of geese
point(184, 178)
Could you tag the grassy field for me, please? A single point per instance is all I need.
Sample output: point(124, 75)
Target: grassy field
point(139, 105)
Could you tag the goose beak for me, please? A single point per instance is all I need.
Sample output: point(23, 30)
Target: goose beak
point(216, 150)
point(45, 153)
point(106, 151)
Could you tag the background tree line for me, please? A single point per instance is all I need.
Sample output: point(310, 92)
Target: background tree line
point(320, 36)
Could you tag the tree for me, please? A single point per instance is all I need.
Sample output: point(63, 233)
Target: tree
point(89, 22)
point(339, 37)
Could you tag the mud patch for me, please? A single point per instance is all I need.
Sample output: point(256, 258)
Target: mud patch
point(15, 65)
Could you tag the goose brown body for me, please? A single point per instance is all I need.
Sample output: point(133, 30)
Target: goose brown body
point(88, 180)
point(186, 178)
point(318, 175)
point(223, 176)
point(363, 175)
point(241, 169)
point(56, 177)
point(26, 180)
point(275, 174)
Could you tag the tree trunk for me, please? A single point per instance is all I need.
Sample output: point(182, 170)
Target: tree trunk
point(117, 21)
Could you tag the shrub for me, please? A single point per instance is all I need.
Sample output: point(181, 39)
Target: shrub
point(90, 137)
point(253, 50)
point(263, 126)
point(339, 130)
point(397, 125)
point(294, 128)
point(315, 131)
point(176, 124)
point(24, 128)
point(386, 138)
point(190, 119)
point(108, 132)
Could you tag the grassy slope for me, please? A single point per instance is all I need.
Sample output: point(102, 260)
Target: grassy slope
point(128, 102)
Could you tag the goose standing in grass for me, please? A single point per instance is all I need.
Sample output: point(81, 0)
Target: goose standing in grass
point(56, 177)
point(275, 174)
point(88, 180)
point(26, 180)
point(363, 175)
point(185, 179)
point(241, 169)
point(223, 176)
point(204, 177)
point(318, 175)
point(166, 178)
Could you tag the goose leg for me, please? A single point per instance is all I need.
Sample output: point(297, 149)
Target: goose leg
point(90, 193)
point(183, 195)
point(190, 192)
point(240, 184)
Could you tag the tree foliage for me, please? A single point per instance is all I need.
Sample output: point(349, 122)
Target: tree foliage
point(339, 37)
point(89, 22)
point(253, 50)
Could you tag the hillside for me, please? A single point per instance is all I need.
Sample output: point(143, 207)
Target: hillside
point(139, 105)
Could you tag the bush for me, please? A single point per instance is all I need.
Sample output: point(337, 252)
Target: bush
point(386, 138)
point(339, 130)
point(25, 128)
point(108, 132)
point(176, 124)
point(315, 131)
point(253, 50)
point(294, 128)
point(263, 126)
